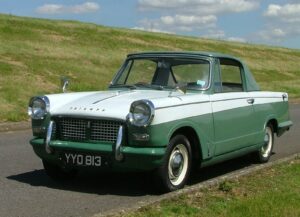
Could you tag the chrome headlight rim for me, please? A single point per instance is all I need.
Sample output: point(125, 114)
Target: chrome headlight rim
point(149, 105)
point(45, 108)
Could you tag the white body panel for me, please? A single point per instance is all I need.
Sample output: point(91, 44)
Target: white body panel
point(169, 106)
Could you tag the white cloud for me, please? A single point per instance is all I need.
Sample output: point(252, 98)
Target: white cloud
point(179, 23)
point(151, 30)
point(276, 35)
point(287, 13)
point(195, 16)
point(272, 10)
point(236, 39)
point(50, 9)
point(184, 20)
point(283, 22)
point(199, 6)
point(221, 35)
point(214, 33)
point(87, 7)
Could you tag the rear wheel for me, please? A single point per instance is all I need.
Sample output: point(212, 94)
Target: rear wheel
point(175, 171)
point(58, 173)
point(264, 153)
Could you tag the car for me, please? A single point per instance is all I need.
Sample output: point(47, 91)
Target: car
point(164, 112)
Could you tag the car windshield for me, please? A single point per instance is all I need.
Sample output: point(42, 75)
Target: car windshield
point(164, 72)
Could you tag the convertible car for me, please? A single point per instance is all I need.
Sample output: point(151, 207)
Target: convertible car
point(164, 112)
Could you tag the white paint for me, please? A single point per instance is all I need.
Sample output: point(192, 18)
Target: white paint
point(181, 112)
point(116, 104)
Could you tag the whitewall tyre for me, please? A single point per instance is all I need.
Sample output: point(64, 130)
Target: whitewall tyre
point(176, 169)
point(265, 152)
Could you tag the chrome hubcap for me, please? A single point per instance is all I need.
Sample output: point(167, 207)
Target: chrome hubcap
point(266, 149)
point(178, 164)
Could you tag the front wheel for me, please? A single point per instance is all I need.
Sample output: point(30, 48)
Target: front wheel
point(175, 171)
point(264, 153)
point(58, 173)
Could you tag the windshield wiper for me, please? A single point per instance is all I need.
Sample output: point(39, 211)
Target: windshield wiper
point(123, 85)
point(151, 86)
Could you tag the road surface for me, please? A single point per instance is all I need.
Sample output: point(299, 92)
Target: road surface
point(25, 190)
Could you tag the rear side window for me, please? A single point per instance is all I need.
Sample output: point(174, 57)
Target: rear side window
point(231, 76)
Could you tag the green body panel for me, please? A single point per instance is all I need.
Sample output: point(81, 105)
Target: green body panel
point(235, 129)
point(161, 134)
point(272, 111)
point(230, 155)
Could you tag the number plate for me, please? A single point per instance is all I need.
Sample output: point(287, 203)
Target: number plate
point(82, 159)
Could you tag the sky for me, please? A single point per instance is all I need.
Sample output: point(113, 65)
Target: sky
point(270, 22)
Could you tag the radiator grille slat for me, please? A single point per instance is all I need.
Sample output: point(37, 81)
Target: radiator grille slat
point(74, 129)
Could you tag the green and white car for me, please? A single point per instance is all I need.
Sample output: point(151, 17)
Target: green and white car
point(163, 112)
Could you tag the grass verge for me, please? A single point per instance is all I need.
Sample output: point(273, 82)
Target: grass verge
point(274, 191)
point(35, 53)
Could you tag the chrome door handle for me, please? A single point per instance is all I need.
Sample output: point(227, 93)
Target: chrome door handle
point(250, 101)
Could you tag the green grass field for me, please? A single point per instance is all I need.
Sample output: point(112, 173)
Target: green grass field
point(35, 53)
point(272, 192)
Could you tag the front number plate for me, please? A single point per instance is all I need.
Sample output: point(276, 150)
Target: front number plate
point(82, 160)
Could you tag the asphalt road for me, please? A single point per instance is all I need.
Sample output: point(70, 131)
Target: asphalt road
point(25, 190)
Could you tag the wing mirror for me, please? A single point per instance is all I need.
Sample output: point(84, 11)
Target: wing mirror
point(64, 83)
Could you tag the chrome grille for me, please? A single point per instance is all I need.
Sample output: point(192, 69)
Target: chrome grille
point(104, 131)
point(74, 129)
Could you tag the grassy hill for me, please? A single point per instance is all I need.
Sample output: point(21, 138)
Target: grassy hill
point(35, 53)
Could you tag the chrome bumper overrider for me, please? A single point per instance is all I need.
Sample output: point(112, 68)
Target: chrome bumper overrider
point(118, 154)
point(49, 150)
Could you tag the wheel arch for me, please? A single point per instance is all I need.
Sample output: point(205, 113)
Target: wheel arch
point(273, 121)
point(192, 136)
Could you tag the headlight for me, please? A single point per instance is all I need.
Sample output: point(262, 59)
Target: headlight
point(141, 113)
point(38, 107)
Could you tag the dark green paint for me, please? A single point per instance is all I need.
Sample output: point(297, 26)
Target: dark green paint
point(135, 158)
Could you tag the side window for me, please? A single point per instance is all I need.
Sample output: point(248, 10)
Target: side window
point(231, 75)
point(195, 74)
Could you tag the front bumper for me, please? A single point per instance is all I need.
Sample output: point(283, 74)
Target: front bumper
point(134, 158)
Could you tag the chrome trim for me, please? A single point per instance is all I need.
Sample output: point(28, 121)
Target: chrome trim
point(250, 100)
point(285, 97)
point(192, 103)
point(118, 154)
point(45, 99)
point(130, 119)
point(48, 149)
point(64, 84)
point(85, 129)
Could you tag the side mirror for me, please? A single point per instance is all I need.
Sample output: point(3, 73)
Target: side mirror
point(64, 83)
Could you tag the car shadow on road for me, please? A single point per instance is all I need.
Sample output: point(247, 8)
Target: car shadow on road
point(102, 183)
point(220, 169)
point(124, 184)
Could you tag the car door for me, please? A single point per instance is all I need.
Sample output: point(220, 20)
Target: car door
point(233, 113)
